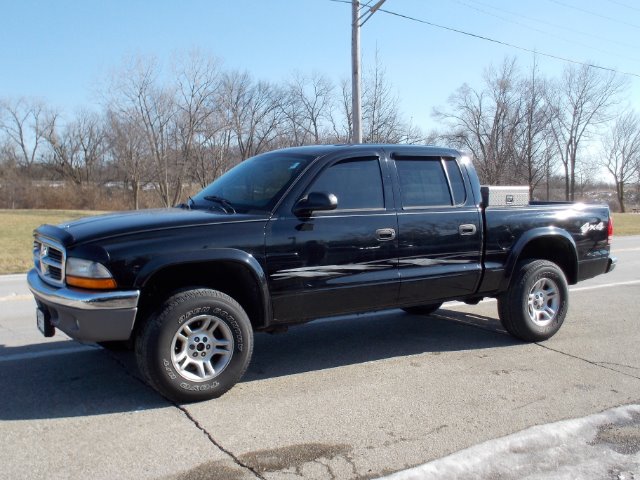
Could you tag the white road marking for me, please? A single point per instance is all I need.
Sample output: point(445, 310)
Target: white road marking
point(13, 277)
point(605, 285)
point(576, 289)
point(16, 298)
point(616, 250)
point(46, 353)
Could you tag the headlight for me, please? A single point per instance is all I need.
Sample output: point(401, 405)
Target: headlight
point(87, 274)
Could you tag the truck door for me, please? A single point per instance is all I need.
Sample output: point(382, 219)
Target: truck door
point(338, 261)
point(439, 230)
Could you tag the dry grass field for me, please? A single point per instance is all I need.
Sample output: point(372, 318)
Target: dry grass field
point(17, 227)
point(16, 232)
point(626, 224)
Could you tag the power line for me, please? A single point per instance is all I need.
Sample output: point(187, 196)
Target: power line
point(555, 25)
point(622, 4)
point(499, 42)
point(544, 32)
point(595, 14)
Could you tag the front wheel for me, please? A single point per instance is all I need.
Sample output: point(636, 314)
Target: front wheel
point(536, 303)
point(196, 346)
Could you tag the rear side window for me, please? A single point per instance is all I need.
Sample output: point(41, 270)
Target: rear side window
point(423, 182)
point(457, 183)
point(357, 184)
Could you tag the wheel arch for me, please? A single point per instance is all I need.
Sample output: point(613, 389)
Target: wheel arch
point(547, 243)
point(231, 271)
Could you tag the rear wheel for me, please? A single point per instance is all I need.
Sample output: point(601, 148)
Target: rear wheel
point(196, 347)
point(535, 306)
point(423, 309)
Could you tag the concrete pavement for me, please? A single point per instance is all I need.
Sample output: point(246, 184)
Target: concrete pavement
point(355, 398)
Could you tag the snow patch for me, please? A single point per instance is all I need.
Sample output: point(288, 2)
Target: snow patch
point(601, 446)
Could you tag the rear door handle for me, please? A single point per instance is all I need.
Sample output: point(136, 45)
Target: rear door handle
point(385, 234)
point(467, 229)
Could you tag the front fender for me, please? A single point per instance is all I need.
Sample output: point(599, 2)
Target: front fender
point(241, 257)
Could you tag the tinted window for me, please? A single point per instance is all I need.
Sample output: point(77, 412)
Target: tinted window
point(422, 182)
point(356, 183)
point(258, 182)
point(457, 184)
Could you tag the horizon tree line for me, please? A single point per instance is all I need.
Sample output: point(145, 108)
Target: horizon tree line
point(181, 127)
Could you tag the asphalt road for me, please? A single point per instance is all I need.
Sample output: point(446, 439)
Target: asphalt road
point(360, 397)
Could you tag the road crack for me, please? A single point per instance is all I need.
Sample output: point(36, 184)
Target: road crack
point(190, 417)
point(619, 365)
point(233, 457)
point(591, 362)
point(502, 332)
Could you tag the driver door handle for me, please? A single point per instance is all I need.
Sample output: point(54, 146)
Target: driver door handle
point(385, 234)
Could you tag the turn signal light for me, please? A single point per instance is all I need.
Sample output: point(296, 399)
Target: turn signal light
point(91, 283)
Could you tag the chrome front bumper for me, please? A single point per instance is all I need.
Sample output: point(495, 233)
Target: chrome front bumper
point(87, 315)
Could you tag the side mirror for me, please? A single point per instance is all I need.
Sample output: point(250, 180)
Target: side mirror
point(315, 201)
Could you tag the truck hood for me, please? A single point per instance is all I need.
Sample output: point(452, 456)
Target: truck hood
point(111, 225)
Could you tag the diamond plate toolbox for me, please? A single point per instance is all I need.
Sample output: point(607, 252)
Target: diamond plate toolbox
point(505, 196)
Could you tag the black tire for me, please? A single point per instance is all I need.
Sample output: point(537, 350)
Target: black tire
point(196, 346)
point(423, 309)
point(535, 305)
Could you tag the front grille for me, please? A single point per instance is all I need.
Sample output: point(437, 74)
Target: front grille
point(55, 255)
point(49, 258)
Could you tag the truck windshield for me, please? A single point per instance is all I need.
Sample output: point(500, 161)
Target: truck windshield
point(255, 184)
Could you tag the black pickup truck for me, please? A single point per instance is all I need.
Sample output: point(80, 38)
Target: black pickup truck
point(302, 233)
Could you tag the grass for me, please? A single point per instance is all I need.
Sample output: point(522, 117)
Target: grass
point(16, 234)
point(626, 224)
point(17, 227)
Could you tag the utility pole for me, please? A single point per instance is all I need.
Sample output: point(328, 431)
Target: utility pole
point(357, 21)
point(356, 105)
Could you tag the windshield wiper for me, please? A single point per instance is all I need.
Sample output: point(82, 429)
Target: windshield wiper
point(226, 205)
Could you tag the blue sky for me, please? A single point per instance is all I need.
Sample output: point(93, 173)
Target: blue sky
point(64, 51)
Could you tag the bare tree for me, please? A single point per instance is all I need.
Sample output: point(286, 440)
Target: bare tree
point(381, 118)
point(212, 155)
point(88, 130)
point(307, 106)
point(253, 110)
point(621, 147)
point(63, 156)
point(23, 123)
point(486, 122)
point(127, 147)
point(340, 116)
point(76, 150)
point(534, 149)
point(135, 95)
point(198, 94)
point(581, 101)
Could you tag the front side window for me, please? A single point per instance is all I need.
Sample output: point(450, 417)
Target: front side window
point(423, 182)
point(356, 183)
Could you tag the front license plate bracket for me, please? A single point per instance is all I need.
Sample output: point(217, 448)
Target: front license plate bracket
point(43, 319)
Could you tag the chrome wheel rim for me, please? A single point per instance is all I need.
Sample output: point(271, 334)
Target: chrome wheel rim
point(543, 303)
point(202, 348)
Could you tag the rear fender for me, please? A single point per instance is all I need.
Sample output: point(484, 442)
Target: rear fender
point(556, 236)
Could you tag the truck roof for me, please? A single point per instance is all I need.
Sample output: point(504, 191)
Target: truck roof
point(429, 150)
